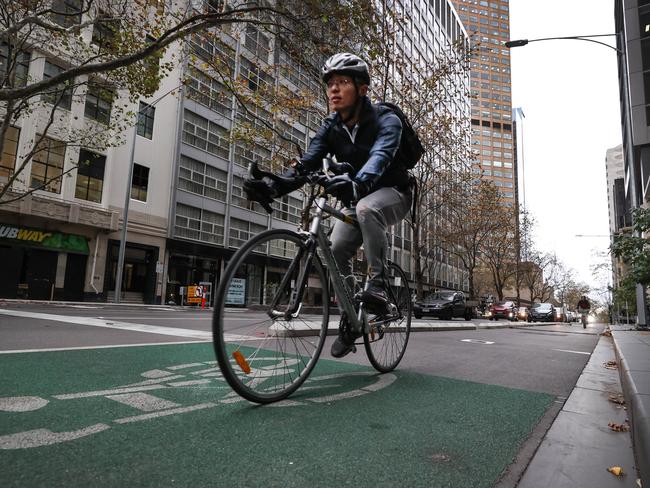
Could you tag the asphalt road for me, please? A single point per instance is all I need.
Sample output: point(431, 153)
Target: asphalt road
point(544, 358)
point(447, 381)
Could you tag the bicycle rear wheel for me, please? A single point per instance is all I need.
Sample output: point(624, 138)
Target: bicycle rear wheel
point(386, 341)
point(264, 351)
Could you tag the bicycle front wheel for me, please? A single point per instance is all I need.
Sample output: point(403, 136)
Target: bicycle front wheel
point(386, 341)
point(266, 350)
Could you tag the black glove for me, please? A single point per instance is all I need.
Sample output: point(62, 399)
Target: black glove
point(281, 188)
point(259, 191)
point(265, 189)
point(346, 189)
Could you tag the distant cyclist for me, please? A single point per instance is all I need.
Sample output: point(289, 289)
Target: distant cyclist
point(583, 309)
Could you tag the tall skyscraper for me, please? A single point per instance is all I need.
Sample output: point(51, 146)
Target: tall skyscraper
point(488, 25)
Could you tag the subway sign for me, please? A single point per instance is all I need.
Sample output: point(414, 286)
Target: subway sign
point(56, 241)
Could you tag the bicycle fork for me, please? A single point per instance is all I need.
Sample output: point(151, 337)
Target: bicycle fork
point(298, 288)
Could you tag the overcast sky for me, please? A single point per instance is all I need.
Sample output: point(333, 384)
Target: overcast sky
point(568, 91)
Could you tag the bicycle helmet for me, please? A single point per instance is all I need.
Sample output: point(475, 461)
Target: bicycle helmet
point(346, 64)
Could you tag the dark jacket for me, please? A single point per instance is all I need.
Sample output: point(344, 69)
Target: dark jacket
point(371, 154)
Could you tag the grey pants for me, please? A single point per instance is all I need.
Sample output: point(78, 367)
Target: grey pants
point(375, 213)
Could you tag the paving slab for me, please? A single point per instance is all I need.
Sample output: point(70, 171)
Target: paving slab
point(580, 446)
point(633, 352)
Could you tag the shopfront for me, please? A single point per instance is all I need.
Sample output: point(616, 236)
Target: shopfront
point(40, 264)
point(139, 275)
point(191, 264)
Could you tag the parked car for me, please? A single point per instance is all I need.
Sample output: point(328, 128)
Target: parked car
point(542, 312)
point(560, 314)
point(570, 316)
point(522, 313)
point(506, 310)
point(444, 305)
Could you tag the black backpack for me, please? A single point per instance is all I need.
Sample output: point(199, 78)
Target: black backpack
point(410, 148)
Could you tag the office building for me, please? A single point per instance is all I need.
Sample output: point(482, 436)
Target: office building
point(488, 25)
point(632, 21)
point(187, 210)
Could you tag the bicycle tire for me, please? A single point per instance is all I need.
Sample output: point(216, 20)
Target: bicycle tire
point(386, 343)
point(263, 358)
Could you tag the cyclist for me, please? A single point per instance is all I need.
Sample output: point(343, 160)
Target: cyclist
point(583, 309)
point(367, 137)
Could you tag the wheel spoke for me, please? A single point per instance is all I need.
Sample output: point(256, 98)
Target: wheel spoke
point(386, 349)
point(280, 353)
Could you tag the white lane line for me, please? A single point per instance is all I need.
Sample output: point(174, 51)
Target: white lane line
point(115, 391)
point(142, 317)
point(573, 352)
point(143, 401)
point(477, 341)
point(81, 348)
point(111, 324)
point(164, 413)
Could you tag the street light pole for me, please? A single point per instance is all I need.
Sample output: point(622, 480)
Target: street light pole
point(127, 200)
point(627, 108)
point(125, 218)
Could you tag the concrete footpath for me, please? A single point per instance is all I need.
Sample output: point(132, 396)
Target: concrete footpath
point(633, 357)
point(604, 423)
point(589, 433)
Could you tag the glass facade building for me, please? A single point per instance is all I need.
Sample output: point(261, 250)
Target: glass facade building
point(210, 217)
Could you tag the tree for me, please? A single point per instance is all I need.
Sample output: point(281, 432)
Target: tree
point(265, 110)
point(500, 251)
point(467, 220)
point(535, 272)
point(524, 241)
point(112, 52)
point(635, 249)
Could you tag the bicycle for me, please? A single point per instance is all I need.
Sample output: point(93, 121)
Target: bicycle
point(583, 317)
point(284, 295)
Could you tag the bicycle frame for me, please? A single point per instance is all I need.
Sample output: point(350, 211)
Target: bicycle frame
point(317, 238)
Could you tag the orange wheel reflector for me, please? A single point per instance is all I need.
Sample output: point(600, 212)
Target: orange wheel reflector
point(372, 334)
point(241, 360)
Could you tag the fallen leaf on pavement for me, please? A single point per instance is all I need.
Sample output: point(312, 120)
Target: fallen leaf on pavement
point(611, 364)
point(619, 427)
point(616, 471)
point(617, 398)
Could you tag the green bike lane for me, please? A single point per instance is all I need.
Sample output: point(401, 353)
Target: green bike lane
point(162, 415)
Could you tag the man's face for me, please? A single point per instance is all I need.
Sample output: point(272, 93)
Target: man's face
point(341, 92)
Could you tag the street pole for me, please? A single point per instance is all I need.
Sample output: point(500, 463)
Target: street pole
point(642, 319)
point(127, 200)
point(125, 218)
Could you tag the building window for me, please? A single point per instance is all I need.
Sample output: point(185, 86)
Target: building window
point(9, 151)
point(205, 135)
point(21, 60)
point(209, 92)
point(98, 104)
point(257, 43)
point(66, 13)
point(254, 76)
point(289, 209)
point(47, 165)
point(146, 115)
point(241, 231)
point(59, 95)
point(199, 224)
point(140, 182)
point(90, 176)
point(202, 179)
point(105, 31)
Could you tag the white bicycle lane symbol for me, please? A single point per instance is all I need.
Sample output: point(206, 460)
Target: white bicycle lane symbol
point(190, 375)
